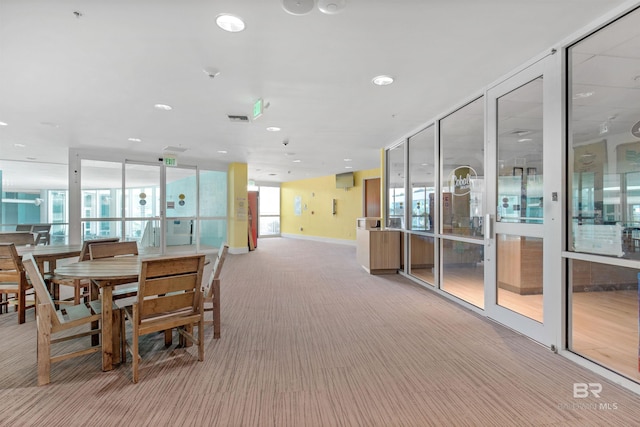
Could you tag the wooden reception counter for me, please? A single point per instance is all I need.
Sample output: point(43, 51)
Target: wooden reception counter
point(378, 251)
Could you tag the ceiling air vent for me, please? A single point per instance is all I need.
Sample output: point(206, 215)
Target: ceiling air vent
point(238, 118)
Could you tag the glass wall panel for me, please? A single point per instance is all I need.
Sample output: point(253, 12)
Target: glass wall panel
point(100, 229)
point(101, 189)
point(604, 315)
point(40, 197)
point(463, 271)
point(422, 249)
point(212, 228)
point(422, 179)
point(462, 148)
point(604, 191)
point(395, 178)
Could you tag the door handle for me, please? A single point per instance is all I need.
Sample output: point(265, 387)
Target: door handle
point(487, 226)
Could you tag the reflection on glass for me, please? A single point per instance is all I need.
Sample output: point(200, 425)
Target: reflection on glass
point(462, 147)
point(463, 271)
point(604, 315)
point(396, 200)
point(519, 266)
point(422, 258)
point(146, 233)
point(101, 189)
point(421, 175)
point(100, 229)
point(213, 194)
point(182, 190)
point(520, 197)
point(212, 233)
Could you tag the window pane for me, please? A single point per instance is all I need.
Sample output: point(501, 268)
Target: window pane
point(213, 194)
point(422, 174)
point(396, 201)
point(604, 151)
point(462, 148)
point(520, 155)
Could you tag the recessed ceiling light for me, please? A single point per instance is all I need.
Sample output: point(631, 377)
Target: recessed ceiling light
point(297, 7)
point(273, 129)
point(297, 161)
point(382, 80)
point(231, 23)
point(222, 151)
point(3, 124)
point(348, 160)
point(19, 145)
point(348, 167)
point(134, 139)
point(164, 107)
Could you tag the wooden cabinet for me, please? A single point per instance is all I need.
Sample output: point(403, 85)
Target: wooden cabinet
point(378, 251)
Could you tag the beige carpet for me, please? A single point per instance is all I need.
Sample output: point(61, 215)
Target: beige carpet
point(310, 339)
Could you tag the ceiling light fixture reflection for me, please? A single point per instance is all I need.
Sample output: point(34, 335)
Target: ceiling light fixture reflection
point(222, 151)
point(525, 140)
point(297, 161)
point(348, 167)
point(582, 95)
point(134, 139)
point(163, 107)
point(19, 145)
point(230, 23)
point(4, 124)
point(382, 80)
point(273, 129)
point(348, 160)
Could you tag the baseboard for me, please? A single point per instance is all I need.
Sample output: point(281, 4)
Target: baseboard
point(238, 251)
point(320, 239)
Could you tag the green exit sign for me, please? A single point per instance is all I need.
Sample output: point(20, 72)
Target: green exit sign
point(170, 160)
point(258, 108)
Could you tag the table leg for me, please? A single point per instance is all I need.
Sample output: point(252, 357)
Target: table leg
point(107, 339)
point(94, 293)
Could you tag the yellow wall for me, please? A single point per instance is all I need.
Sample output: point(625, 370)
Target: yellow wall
point(316, 196)
point(238, 224)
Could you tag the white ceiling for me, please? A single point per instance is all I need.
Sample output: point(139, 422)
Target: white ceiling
point(92, 81)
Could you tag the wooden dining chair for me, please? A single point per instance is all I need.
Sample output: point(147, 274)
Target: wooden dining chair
point(13, 281)
point(211, 291)
point(50, 322)
point(80, 286)
point(124, 289)
point(18, 238)
point(169, 296)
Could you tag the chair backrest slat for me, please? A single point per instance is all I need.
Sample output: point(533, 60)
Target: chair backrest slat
point(169, 284)
point(217, 269)
point(38, 285)
point(108, 250)
point(24, 227)
point(84, 252)
point(18, 238)
point(11, 267)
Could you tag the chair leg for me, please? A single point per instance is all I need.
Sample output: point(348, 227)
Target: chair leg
point(43, 324)
point(201, 339)
point(116, 338)
point(22, 297)
point(134, 345)
point(168, 337)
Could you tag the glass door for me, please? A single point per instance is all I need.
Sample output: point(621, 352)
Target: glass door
point(515, 287)
point(142, 205)
point(181, 203)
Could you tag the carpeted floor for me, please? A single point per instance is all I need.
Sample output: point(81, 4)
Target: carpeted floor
point(310, 339)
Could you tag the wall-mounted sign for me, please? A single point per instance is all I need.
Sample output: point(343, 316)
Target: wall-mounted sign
point(170, 160)
point(461, 180)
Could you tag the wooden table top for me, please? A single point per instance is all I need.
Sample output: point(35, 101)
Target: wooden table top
point(49, 250)
point(103, 269)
